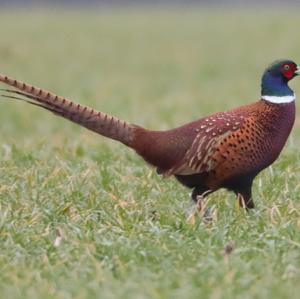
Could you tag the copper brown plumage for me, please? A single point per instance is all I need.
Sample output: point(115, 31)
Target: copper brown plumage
point(224, 150)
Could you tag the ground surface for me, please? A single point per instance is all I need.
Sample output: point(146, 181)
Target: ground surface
point(124, 229)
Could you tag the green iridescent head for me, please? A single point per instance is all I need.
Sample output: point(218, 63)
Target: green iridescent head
point(276, 77)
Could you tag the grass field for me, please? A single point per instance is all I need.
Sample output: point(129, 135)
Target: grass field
point(82, 216)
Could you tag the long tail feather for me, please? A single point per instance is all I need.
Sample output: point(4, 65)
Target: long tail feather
point(30, 102)
point(98, 122)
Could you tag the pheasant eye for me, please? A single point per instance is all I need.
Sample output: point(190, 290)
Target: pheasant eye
point(288, 71)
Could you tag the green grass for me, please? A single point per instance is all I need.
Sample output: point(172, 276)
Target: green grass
point(124, 229)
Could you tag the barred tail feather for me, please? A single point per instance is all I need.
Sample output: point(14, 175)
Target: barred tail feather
point(98, 122)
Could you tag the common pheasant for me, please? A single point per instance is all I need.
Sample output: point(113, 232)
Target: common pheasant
point(224, 150)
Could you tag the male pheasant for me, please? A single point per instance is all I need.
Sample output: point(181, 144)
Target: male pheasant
point(224, 150)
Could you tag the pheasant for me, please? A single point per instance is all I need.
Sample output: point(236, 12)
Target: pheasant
point(224, 150)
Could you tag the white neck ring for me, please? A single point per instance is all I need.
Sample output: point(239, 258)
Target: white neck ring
point(279, 99)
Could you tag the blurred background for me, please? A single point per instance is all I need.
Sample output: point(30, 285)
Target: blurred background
point(148, 2)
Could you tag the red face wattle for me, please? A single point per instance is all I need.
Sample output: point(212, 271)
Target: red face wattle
point(288, 70)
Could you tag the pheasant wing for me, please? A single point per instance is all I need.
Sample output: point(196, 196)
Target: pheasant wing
point(210, 144)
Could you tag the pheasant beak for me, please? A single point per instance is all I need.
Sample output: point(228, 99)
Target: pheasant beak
point(297, 71)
